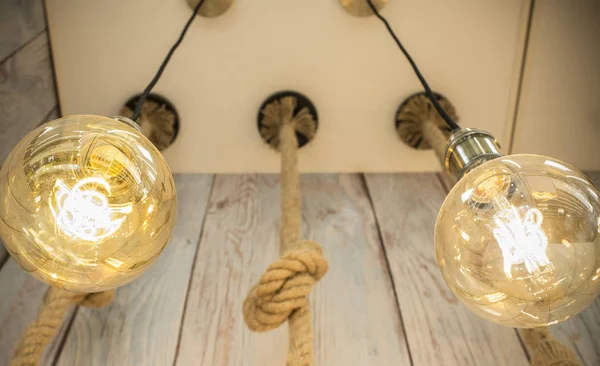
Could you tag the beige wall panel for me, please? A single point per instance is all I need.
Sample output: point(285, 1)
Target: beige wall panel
point(559, 110)
point(470, 50)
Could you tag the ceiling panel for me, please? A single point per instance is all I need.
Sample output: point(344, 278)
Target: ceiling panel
point(470, 50)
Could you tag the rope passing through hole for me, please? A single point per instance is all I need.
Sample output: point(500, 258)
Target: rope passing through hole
point(282, 293)
point(40, 332)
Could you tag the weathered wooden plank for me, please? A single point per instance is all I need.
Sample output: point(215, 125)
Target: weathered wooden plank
point(142, 324)
point(20, 21)
point(355, 313)
point(238, 242)
point(21, 296)
point(27, 93)
point(440, 330)
point(582, 334)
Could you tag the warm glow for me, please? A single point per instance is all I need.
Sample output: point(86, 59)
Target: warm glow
point(521, 239)
point(86, 203)
point(517, 240)
point(83, 211)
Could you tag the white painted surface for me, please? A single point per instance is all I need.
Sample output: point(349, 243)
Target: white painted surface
point(559, 112)
point(470, 50)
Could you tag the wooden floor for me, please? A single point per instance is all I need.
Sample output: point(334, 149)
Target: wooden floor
point(383, 301)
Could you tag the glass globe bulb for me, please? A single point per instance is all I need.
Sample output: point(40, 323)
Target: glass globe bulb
point(86, 203)
point(517, 240)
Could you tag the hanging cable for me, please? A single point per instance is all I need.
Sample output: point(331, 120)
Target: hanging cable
point(428, 91)
point(161, 69)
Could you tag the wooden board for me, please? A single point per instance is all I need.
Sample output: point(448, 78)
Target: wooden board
point(25, 75)
point(21, 296)
point(441, 331)
point(355, 313)
point(470, 50)
point(20, 22)
point(559, 110)
point(27, 93)
point(582, 334)
point(27, 98)
point(140, 327)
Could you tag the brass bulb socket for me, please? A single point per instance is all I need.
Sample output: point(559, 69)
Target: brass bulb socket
point(469, 148)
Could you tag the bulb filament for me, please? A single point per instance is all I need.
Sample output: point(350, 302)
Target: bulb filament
point(522, 240)
point(83, 211)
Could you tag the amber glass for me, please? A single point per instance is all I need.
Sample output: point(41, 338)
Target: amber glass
point(86, 203)
point(517, 241)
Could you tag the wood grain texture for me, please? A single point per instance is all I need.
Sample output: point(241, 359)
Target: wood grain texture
point(440, 330)
point(27, 95)
point(21, 296)
point(20, 21)
point(582, 334)
point(355, 313)
point(141, 326)
point(27, 92)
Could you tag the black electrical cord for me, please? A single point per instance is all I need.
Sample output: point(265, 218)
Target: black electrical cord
point(428, 91)
point(144, 96)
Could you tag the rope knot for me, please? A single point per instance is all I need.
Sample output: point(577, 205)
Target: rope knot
point(285, 286)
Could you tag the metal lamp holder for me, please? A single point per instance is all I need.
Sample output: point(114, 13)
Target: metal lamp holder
point(420, 126)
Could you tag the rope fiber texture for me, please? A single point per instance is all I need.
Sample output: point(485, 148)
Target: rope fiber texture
point(54, 309)
point(282, 293)
point(545, 350)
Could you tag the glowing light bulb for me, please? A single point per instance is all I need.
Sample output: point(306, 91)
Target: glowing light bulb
point(85, 213)
point(86, 203)
point(521, 239)
point(517, 240)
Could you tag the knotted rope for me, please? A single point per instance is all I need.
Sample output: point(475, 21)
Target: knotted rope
point(282, 291)
point(545, 350)
point(38, 334)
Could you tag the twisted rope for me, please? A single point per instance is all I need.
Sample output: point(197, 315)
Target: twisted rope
point(282, 292)
point(38, 334)
point(157, 121)
point(545, 350)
